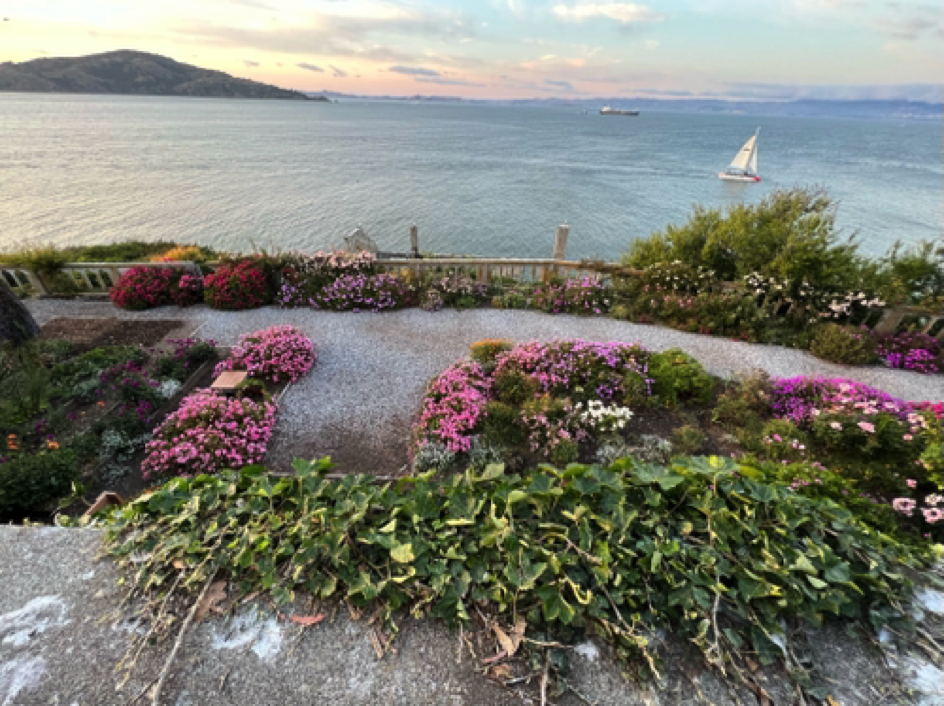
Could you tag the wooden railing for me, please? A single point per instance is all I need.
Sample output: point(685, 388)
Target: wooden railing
point(90, 277)
point(98, 277)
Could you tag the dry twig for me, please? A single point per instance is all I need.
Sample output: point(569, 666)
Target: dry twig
point(156, 696)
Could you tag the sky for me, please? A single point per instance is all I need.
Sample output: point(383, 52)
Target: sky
point(503, 49)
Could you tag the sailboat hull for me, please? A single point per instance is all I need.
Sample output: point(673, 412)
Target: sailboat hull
point(738, 177)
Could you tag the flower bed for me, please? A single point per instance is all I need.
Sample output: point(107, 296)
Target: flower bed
point(571, 400)
point(304, 276)
point(541, 398)
point(584, 295)
point(145, 287)
point(276, 354)
point(210, 432)
point(84, 417)
point(364, 293)
point(236, 286)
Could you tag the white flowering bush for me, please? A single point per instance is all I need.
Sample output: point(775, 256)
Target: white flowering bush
point(599, 418)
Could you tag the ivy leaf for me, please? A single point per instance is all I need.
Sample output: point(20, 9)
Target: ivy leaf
point(803, 564)
point(402, 553)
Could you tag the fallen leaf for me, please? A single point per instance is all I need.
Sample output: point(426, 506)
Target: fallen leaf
point(510, 642)
point(308, 619)
point(251, 596)
point(507, 645)
point(751, 664)
point(517, 635)
point(215, 594)
point(831, 701)
point(179, 564)
point(500, 671)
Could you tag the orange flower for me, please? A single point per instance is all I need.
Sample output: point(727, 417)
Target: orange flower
point(53, 444)
point(101, 403)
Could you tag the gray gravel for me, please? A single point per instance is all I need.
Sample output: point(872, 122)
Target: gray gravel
point(358, 402)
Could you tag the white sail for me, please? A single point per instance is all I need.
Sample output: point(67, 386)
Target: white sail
point(747, 156)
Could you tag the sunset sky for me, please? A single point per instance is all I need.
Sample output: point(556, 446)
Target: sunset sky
point(738, 49)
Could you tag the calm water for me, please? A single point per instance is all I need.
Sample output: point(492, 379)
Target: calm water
point(488, 180)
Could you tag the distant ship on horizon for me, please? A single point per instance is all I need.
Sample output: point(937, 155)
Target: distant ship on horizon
point(607, 110)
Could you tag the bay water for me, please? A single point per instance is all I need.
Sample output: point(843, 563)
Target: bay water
point(489, 180)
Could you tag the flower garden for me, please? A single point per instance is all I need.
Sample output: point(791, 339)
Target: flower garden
point(563, 487)
point(579, 401)
point(569, 487)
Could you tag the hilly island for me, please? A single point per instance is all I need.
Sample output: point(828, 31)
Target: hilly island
point(133, 73)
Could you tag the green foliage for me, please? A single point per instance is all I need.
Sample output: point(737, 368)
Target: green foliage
point(563, 452)
point(818, 482)
point(699, 549)
point(843, 344)
point(79, 376)
point(687, 440)
point(31, 481)
point(782, 440)
point(45, 261)
point(502, 426)
point(679, 378)
point(514, 387)
point(912, 275)
point(487, 350)
point(789, 234)
point(745, 403)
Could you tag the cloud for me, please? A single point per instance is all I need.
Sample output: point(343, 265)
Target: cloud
point(565, 85)
point(338, 73)
point(250, 64)
point(412, 71)
point(341, 35)
point(651, 44)
point(624, 13)
point(309, 67)
point(442, 81)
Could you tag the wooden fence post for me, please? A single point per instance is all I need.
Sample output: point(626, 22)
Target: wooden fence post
point(414, 241)
point(560, 242)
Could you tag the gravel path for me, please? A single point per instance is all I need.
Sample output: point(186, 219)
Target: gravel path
point(358, 402)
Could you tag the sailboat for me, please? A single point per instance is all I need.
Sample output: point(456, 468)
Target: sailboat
point(744, 166)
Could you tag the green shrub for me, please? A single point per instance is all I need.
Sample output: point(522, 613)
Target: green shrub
point(781, 440)
point(677, 549)
point(842, 344)
point(514, 300)
point(636, 390)
point(790, 234)
point(745, 404)
point(29, 482)
point(487, 350)
point(514, 387)
point(817, 482)
point(564, 452)
point(623, 312)
point(687, 440)
point(679, 378)
point(502, 425)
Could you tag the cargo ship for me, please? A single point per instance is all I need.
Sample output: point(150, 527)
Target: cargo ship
point(607, 110)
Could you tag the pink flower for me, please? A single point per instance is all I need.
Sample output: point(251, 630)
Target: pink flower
point(867, 427)
point(905, 506)
point(836, 425)
point(907, 437)
point(912, 483)
point(932, 514)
